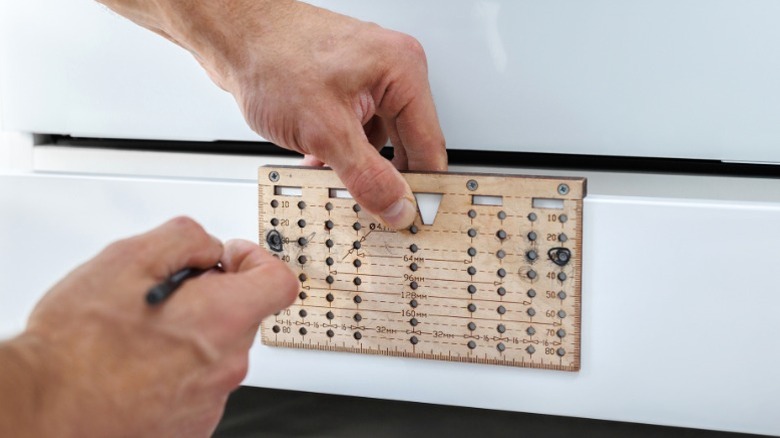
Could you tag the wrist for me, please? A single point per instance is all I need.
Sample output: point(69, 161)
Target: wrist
point(23, 383)
point(216, 33)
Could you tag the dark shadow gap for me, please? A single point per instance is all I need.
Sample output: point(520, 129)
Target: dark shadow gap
point(459, 157)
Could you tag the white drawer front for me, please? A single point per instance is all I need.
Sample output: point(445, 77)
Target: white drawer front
point(679, 301)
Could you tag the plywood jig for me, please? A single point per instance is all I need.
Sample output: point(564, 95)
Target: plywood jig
point(494, 279)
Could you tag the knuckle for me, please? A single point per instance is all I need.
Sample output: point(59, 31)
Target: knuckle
point(193, 230)
point(237, 373)
point(411, 48)
point(124, 249)
point(117, 247)
point(321, 133)
point(186, 224)
point(314, 135)
point(232, 373)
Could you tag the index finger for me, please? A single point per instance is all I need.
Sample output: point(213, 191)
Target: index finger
point(418, 129)
point(406, 103)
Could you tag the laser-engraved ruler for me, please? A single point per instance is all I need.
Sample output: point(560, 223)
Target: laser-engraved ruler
point(492, 276)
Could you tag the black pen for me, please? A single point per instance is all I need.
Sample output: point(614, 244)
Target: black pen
point(162, 291)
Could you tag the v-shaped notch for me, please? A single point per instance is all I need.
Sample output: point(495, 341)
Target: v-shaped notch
point(428, 205)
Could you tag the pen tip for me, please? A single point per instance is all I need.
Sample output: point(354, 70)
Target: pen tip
point(154, 296)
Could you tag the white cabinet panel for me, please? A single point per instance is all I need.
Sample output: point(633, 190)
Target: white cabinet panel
point(669, 78)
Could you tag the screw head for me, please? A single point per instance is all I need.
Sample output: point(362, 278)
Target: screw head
point(563, 189)
point(273, 176)
point(472, 185)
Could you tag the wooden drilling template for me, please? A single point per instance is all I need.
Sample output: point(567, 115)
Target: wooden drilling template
point(489, 273)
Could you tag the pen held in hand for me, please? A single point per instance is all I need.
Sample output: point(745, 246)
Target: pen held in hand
point(162, 291)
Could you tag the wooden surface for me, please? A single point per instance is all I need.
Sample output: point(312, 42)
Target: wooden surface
point(422, 294)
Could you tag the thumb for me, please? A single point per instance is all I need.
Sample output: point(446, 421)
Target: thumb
point(371, 179)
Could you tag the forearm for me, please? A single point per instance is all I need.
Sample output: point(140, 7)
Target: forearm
point(214, 31)
point(20, 390)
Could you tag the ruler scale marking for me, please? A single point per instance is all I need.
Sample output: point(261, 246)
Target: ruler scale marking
point(495, 297)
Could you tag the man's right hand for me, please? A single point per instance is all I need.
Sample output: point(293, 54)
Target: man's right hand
point(319, 83)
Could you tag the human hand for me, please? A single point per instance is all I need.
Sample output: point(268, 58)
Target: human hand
point(107, 364)
point(319, 83)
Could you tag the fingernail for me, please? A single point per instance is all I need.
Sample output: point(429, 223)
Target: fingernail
point(400, 215)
